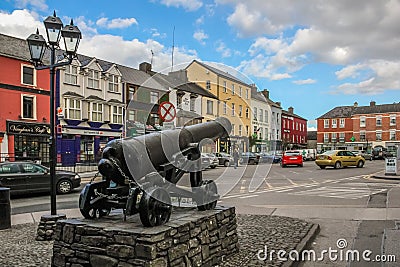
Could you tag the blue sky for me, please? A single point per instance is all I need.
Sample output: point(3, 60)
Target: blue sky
point(312, 55)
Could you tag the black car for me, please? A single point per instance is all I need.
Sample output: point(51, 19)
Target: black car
point(29, 177)
point(249, 158)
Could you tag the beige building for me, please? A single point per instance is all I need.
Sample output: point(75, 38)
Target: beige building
point(234, 102)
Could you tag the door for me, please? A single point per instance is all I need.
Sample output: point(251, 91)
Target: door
point(37, 177)
point(11, 176)
point(351, 159)
point(68, 153)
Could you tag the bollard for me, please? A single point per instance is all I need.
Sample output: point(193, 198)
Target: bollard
point(5, 208)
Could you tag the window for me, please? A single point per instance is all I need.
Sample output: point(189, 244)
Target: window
point(28, 107)
point(247, 93)
point(362, 135)
point(73, 109)
point(179, 98)
point(240, 130)
point(378, 120)
point(261, 113)
point(392, 120)
point(392, 135)
point(94, 79)
point(261, 133)
point(266, 116)
point(247, 130)
point(131, 115)
point(224, 86)
point(233, 109)
point(240, 91)
point(233, 89)
point(333, 137)
point(284, 123)
point(131, 92)
point(247, 112)
point(297, 126)
point(341, 123)
point(96, 112)
point(341, 137)
point(362, 121)
point(116, 115)
point(240, 110)
point(255, 113)
point(113, 83)
point(378, 135)
point(225, 108)
point(208, 85)
point(9, 168)
point(266, 133)
point(28, 75)
point(326, 123)
point(71, 74)
point(334, 123)
point(153, 97)
point(233, 129)
point(192, 104)
point(209, 107)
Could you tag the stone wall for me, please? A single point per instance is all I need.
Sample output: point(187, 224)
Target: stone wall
point(190, 238)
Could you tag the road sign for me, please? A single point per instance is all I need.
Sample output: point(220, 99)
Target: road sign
point(167, 111)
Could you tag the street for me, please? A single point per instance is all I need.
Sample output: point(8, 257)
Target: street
point(347, 203)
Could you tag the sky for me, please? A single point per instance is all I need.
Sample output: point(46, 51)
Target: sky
point(311, 55)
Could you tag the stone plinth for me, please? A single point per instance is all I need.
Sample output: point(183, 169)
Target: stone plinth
point(190, 238)
point(47, 226)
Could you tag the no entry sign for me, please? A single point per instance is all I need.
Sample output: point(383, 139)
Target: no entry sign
point(167, 111)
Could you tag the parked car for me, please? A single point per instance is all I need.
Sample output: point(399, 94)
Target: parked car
point(28, 177)
point(365, 155)
point(249, 158)
point(309, 154)
point(339, 159)
point(208, 160)
point(380, 152)
point(292, 157)
point(224, 158)
point(269, 157)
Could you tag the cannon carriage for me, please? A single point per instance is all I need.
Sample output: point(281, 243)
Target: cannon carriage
point(140, 174)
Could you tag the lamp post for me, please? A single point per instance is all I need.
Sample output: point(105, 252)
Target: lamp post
point(37, 46)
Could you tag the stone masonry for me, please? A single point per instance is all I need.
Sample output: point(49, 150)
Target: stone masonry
point(190, 238)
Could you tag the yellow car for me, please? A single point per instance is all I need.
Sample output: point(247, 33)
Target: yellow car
point(339, 159)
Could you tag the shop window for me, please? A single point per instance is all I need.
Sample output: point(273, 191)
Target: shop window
point(28, 75)
point(28, 107)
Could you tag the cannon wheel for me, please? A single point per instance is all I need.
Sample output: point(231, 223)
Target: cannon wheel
point(155, 207)
point(90, 212)
point(208, 188)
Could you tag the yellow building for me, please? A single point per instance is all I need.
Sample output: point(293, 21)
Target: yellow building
point(233, 102)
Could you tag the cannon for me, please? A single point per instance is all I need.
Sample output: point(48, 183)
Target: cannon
point(140, 174)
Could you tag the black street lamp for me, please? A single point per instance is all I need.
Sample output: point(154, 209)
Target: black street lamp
point(37, 46)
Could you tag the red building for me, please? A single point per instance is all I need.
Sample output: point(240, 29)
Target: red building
point(294, 130)
point(24, 103)
point(360, 127)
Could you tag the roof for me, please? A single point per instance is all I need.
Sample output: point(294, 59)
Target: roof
point(257, 95)
point(95, 98)
point(176, 83)
point(73, 94)
point(349, 111)
point(285, 112)
point(140, 78)
point(220, 72)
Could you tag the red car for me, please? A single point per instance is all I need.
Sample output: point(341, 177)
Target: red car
point(292, 157)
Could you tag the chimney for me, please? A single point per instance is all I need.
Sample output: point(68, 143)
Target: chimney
point(290, 110)
point(179, 74)
point(278, 103)
point(265, 92)
point(372, 103)
point(145, 66)
point(355, 104)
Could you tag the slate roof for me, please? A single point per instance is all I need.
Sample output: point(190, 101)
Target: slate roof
point(190, 87)
point(140, 78)
point(285, 112)
point(257, 95)
point(221, 73)
point(349, 111)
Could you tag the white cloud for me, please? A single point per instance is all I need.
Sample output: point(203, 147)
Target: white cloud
point(116, 23)
point(223, 50)
point(200, 36)
point(189, 5)
point(35, 4)
point(20, 23)
point(306, 81)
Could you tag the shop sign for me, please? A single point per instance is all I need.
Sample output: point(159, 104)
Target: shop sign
point(20, 128)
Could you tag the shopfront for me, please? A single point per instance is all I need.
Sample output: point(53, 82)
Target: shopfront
point(28, 141)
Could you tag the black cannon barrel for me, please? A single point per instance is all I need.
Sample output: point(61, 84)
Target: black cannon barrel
point(142, 155)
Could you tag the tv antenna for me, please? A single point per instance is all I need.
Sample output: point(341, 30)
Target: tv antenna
point(173, 46)
point(152, 55)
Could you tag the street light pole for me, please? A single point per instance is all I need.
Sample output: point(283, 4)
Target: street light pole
point(37, 46)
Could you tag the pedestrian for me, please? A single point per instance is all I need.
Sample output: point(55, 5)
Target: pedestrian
point(236, 158)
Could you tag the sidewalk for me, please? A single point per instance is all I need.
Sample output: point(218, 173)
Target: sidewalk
point(382, 175)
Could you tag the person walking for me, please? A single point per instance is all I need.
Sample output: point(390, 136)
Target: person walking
point(236, 158)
